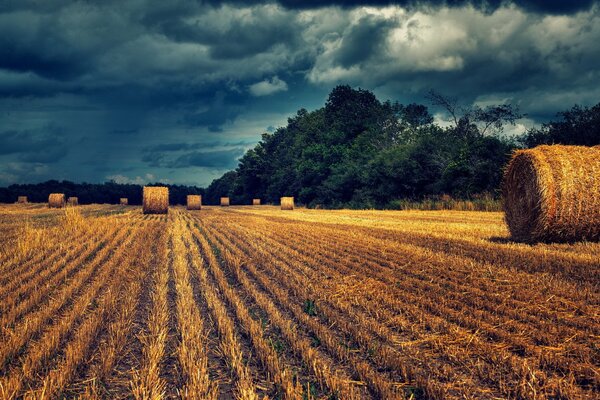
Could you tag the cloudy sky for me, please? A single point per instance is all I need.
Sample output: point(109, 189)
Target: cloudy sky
point(148, 90)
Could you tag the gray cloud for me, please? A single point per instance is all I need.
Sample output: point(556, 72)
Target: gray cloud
point(268, 87)
point(509, 53)
point(45, 146)
point(219, 155)
point(172, 86)
point(213, 159)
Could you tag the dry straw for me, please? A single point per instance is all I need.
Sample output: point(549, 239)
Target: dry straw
point(194, 202)
point(552, 194)
point(56, 200)
point(123, 201)
point(22, 199)
point(224, 201)
point(287, 203)
point(73, 201)
point(256, 202)
point(155, 200)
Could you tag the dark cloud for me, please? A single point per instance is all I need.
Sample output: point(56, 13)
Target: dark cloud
point(544, 6)
point(246, 34)
point(49, 155)
point(213, 159)
point(154, 87)
point(363, 40)
point(214, 111)
point(170, 147)
point(30, 146)
point(124, 131)
point(182, 155)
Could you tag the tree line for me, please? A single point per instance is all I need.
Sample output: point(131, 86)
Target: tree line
point(359, 152)
point(88, 193)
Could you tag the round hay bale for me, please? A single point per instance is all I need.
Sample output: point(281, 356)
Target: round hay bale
point(22, 200)
point(73, 201)
point(56, 200)
point(552, 194)
point(287, 203)
point(124, 201)
point(256, 202)
point(224, 201)
point(155, 200)
point(194, 202)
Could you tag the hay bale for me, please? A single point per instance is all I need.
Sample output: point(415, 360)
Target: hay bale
point(194, 202)
point(123, 201)
point(56, 200)
point(155, 200)
point(73, 201)
point(552, 194)
point(224, 201)
point(22, 200)
point(287, 203)
point(256, 202)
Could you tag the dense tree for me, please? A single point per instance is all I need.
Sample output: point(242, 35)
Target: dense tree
point(359, 152)
point(577, 126)
point(222, 187)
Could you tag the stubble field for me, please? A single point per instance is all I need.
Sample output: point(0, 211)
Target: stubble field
point(247, 302)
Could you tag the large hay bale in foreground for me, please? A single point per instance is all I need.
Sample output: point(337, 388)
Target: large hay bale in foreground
point(123, 201)
point(56, 200)
point(155, 200)
point(552, 194)
point(224, 201)
point(73, 201)
point(194, 202)
point(22, 199)
point(287, 203)
point(256, 202)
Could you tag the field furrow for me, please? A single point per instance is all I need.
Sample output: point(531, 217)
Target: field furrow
point(397, 305)
point(75, 301)
point(31, 294)
point(355, 326)
point(192, 345)
point(147, 378)
point(256, 303)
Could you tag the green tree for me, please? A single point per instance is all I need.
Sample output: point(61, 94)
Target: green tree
point(577, 126)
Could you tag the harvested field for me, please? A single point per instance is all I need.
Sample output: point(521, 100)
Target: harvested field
point(246, 302)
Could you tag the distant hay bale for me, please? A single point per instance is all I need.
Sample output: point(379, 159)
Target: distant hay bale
point(256, 202)
point(22, 199)
point(73, 201)
point(224, 201)
point(155, 200)
point(194, 202)
point(287, 203)
point(56, 200)
point(552, 194)
point(123, 201)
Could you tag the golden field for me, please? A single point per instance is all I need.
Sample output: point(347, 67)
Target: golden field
point(241, 302)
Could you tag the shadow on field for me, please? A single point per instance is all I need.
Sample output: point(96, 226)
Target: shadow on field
point(505, 240)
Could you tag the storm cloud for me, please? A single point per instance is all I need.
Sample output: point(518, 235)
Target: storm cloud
point(46, 146)
point(162, 89)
